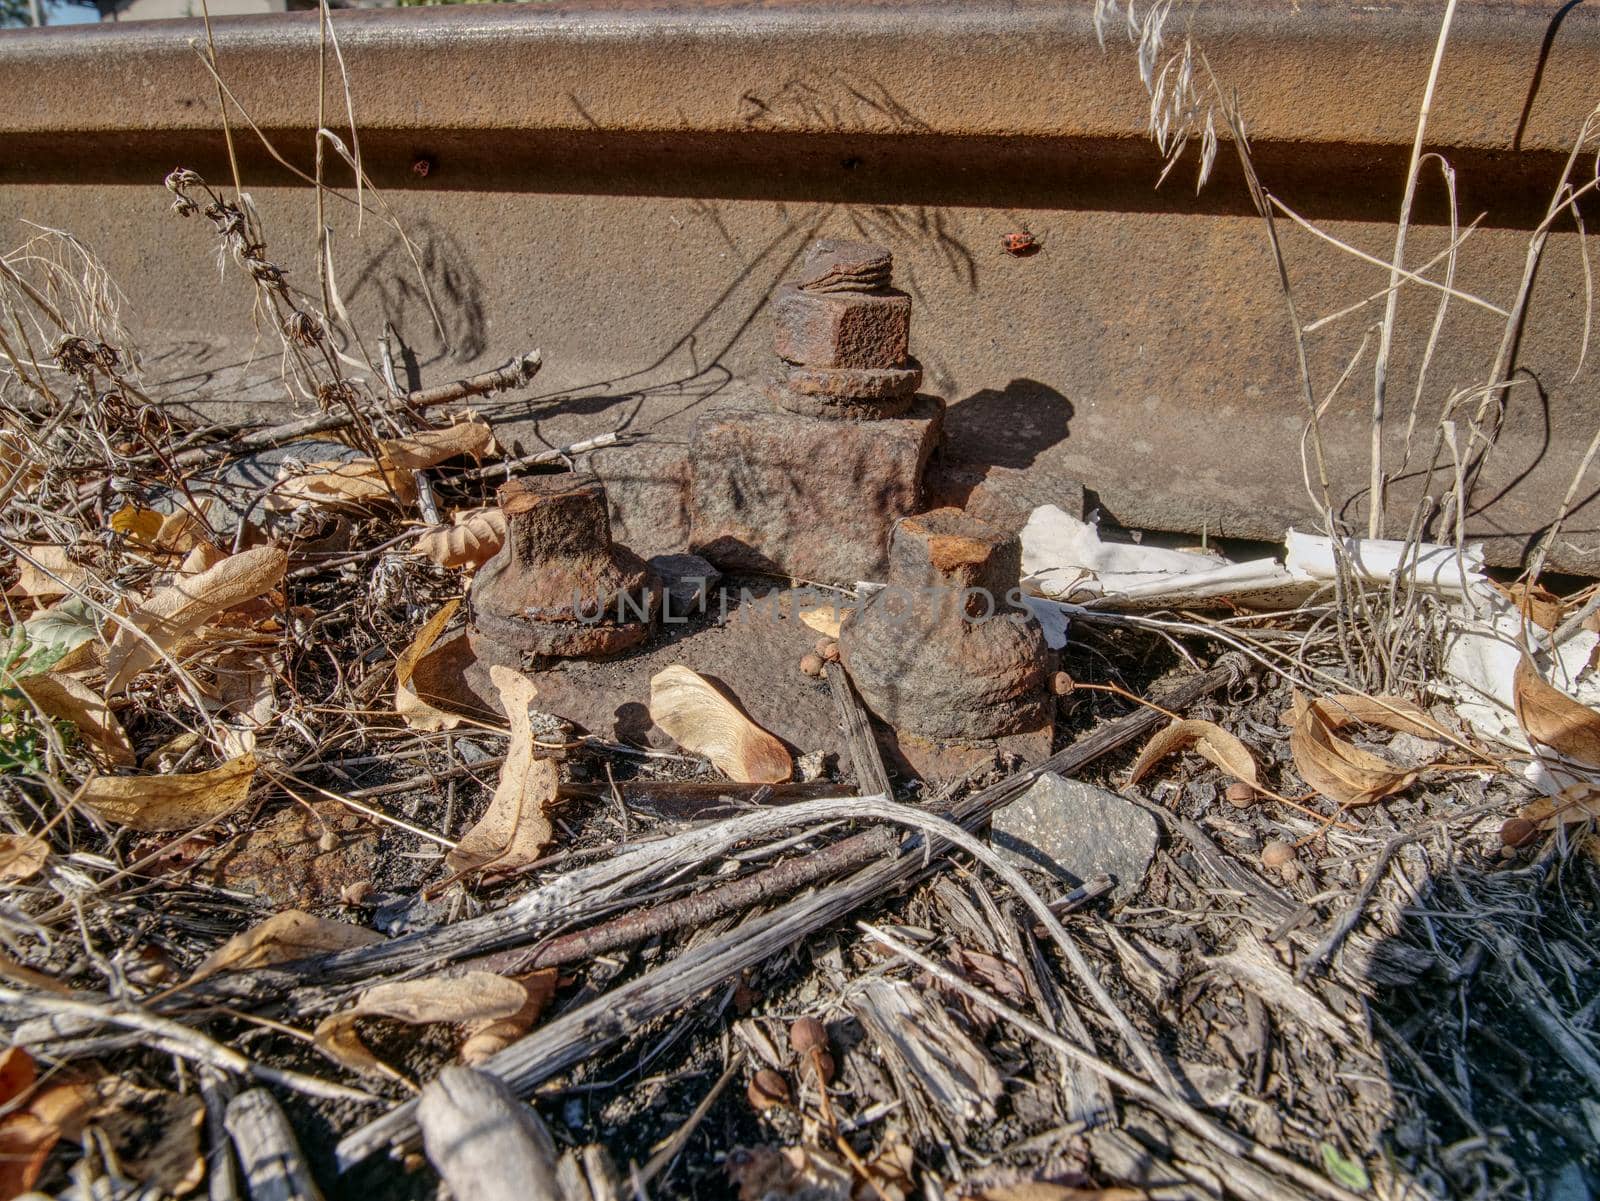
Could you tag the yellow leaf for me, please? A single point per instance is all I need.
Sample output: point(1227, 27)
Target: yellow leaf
point(418, 714)
point(1206, 737)
point(1549, 717)
point(471, 541)
point(825, 618)
point(704, 722)
point(186, 605)
point(428, 448)
point(170, 802)
point(66, 699)
point(138, 524)
point(470, 997)
point(284, 937)
point(1339, 770)
point(515, 829)
point(22, 856)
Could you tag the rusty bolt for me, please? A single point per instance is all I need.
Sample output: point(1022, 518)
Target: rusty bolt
point(943, 652)
point(558, 585)
point(767, 1089)
point(843, 334)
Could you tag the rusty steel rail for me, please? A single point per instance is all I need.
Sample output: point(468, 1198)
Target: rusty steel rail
point(624, 183)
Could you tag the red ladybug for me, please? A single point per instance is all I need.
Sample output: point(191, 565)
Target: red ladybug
point(1021, 243)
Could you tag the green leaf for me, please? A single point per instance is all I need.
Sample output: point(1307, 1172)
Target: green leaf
point(1344, 1171)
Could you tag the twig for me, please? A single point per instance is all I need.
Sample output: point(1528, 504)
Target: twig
point(673, 1146)
point(274, 1168)
point(505, 468)
point(1177, 1110)
point(177, 1039)
point(871, 776)
point(486, 1144)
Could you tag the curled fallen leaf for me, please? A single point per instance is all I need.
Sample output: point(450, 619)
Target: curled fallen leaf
point(704, 722)
point(1338, 769)
point(1208, 739)
point(170, 802)
point(1391, 712)
point(470, 541)
point(418, 713)
point(487, 1038)
point(475, 997)
point(137, 524)
point(1536, 603)
point(64, 698)
point(187, 604)
point(341, 484)
point(284, 937)
point(515, 829)
point(1571, 806)
point(22, 856)
point(1551, 718)
point(429, 448)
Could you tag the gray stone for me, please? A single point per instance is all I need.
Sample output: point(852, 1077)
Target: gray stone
point(688, 580)
point(1074, 830)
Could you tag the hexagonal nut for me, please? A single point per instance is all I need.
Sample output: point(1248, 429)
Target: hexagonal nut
point(842, 329)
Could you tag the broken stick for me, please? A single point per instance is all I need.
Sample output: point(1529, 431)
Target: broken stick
point(589, 1029)
point(486, 1144)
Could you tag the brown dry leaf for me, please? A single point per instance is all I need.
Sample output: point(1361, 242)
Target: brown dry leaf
point(704, 722)
point(1549, 717)
point(1210, 740)
point(42, 586)
point(351, 484)
point(1571, 806)
point(1339, 770)
point(170, 802)
point(25, 1144)
point(186, 605)
point(515, 830)
point(139, 525)
point(66, 699)
point(22, 856)
point(1537, 604)
point(283, 937)
point(17, 1074)
point(488, 1038)
point(429, 448)
point(1391, 712)
point(471, 541)
point(245, 698)
point(471, 997)
point(418, 714)
point(19, 463)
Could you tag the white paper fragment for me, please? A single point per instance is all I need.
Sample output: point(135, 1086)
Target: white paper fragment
point(1064, 558)
point(1376, 560)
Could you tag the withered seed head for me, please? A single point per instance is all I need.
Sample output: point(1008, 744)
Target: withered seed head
point(766, 1090)
point(807, 1035)
point(1240, 795)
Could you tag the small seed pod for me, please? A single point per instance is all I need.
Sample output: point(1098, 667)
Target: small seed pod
point(828, 649)
point(1061, 683)
point(767, 1090)
point(811, 664)
point(1277, 854)
point(1240, 795)
point(807, 1035)
point(822, 1064)
point(1518, 832)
